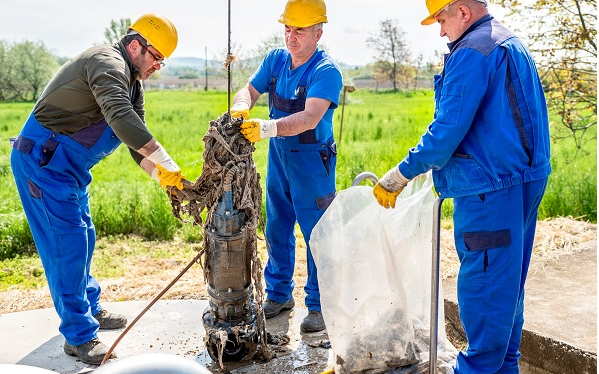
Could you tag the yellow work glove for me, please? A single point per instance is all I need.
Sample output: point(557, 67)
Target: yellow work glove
point(389, 187)
point(255, 130)
point(240, 109)
point(170, 178)
point(167, 172)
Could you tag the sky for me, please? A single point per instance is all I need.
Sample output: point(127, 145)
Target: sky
point(67, 27)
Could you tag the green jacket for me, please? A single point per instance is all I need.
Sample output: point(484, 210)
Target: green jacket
point(98, 83)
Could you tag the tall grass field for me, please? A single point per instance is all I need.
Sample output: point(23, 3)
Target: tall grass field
point(378, 129)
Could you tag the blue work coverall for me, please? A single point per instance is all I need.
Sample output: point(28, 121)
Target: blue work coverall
point(52, 174)
point(488, 147)
point(300, 176)
point(67, 133)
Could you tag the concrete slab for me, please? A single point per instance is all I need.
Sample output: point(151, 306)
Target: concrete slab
point(171, 326)
point(560, 315)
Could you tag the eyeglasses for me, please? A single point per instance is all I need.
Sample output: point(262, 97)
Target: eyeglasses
point(156, 59)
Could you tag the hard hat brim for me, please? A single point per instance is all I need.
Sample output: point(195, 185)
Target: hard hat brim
point(428, 20)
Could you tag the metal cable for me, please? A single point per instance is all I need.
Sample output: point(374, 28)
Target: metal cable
point(195, 259)
point(229, 63)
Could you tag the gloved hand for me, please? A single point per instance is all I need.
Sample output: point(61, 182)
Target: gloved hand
point(167, 172)
point(255, 130)
point(240, 109)
point(170, 178)
point(389, 187)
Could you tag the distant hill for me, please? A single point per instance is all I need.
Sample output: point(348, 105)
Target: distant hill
point(191, 62)
point(199, 63)
point(194, 69)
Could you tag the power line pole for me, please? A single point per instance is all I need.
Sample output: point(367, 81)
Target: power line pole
point(206, 67)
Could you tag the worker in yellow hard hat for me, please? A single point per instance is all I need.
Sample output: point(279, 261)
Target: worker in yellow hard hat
point(303, 85)
point(488, 149)
point(93, 103)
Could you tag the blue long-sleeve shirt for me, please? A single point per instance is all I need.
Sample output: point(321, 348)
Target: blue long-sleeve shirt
point(490, 129)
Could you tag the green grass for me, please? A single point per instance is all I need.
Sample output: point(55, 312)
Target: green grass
point(26, 272)
point(378, 130)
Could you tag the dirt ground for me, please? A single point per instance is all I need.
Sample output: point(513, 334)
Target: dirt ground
point(146, 276)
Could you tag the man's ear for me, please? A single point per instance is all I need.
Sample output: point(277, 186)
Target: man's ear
point(134, 46)
point(318, 35)
point(464, 13)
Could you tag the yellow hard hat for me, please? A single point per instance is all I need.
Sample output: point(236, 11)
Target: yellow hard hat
point(434, 6)
point(304, 13)
point(158, 31)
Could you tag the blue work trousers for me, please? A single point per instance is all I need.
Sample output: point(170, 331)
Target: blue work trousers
point(300, 185)
point(494, 234)
point(52, 174)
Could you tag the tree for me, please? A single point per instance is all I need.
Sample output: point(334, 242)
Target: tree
point(32, 66)
point(5, 67)
point(275, 40)
point(117, 29)
point(393, 55)
point(562, 36)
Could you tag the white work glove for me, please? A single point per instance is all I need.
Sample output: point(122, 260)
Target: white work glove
point(389, 187)
point(255, 130)
point(240, 109)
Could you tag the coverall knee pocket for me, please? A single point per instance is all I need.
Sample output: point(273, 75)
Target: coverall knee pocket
point(323, 202)
point(487, 254)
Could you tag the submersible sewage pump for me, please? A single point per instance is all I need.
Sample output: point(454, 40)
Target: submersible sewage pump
point(230, 319)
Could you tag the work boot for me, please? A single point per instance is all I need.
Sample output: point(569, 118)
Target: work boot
point(92, 352)
point(313, 322)
point(272, 308)
point(110, 321)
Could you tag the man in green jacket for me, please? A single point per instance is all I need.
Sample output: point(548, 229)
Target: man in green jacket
point(93, 103)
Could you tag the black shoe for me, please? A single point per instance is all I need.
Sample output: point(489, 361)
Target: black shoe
point(110, 321)
point(272, 308)
point(92, 352)
point(313, 322)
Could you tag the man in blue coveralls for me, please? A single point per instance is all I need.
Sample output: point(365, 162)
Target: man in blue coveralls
point(303, 85)
point(93, 103)
point(488, 147)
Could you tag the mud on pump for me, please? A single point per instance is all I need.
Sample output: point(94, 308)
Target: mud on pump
point(228, 189)
point(230, 318)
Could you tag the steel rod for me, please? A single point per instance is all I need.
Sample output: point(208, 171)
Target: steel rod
point(434, 322)
point(229, 63)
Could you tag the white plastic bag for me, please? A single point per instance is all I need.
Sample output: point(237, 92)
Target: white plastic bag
point(374, 275)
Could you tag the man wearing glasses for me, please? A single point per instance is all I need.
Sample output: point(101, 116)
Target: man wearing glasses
point(488, 147)
point(93, 103)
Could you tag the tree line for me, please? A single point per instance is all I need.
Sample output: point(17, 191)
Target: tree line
point(561, 34)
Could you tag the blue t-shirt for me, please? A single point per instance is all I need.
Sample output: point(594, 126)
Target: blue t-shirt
point(324, 82)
